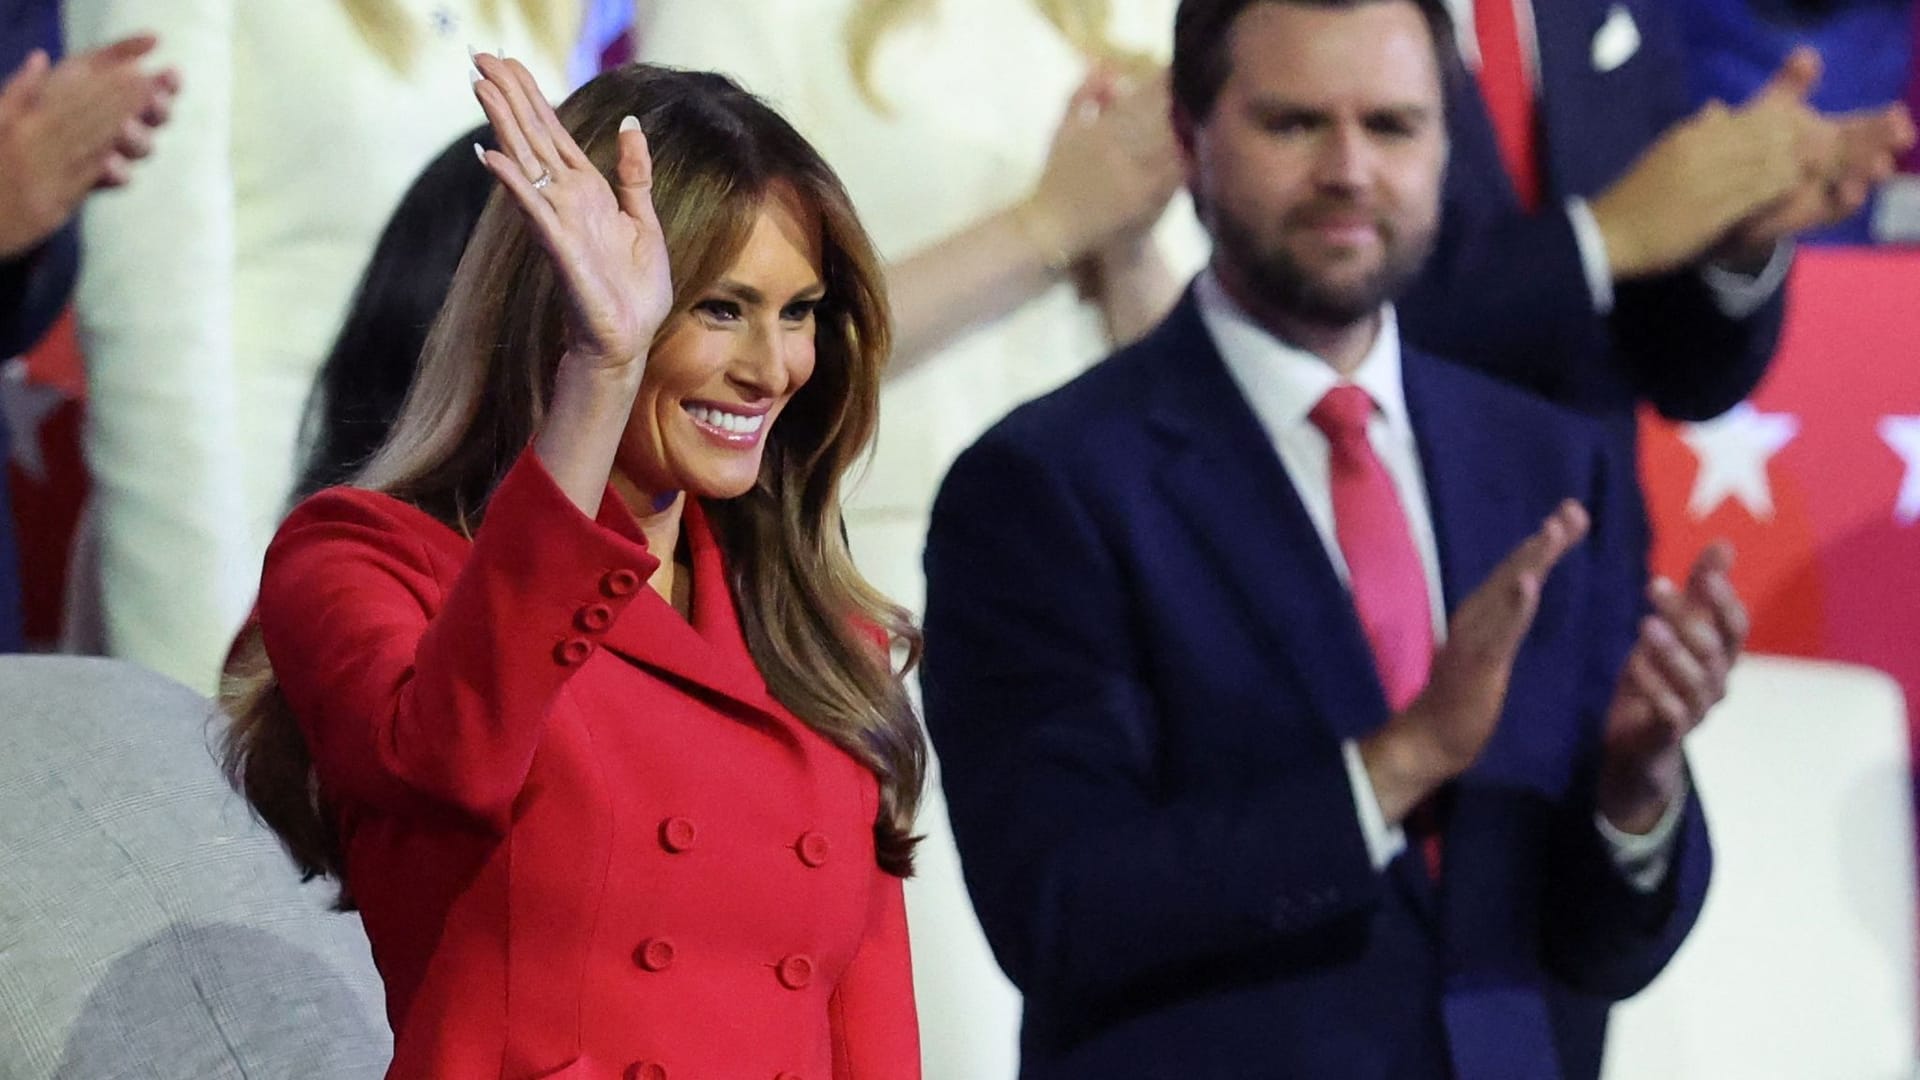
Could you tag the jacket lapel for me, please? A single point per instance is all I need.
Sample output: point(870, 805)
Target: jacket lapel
point(708, 652)
point(1227, 481)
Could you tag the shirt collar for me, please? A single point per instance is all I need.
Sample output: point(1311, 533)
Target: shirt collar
point(1283, 383)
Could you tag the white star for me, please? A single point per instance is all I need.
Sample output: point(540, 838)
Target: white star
point(1733, 451)
point(1903, 434)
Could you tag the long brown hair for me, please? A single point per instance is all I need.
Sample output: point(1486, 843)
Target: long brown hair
point(488, 372)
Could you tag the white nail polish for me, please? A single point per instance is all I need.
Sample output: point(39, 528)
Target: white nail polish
point(630, 123)
point(480, 152)
point(472, 53)
point(474, 76)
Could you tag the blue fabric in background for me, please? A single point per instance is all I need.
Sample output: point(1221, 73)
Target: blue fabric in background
point(1734, 46)
point(601, 23)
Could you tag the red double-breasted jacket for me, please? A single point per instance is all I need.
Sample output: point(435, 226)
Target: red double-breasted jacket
point(585, 839)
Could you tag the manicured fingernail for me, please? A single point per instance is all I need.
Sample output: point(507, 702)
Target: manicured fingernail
point(480, 152)
point(474, 76)
point(473, 53)
point(631, 123)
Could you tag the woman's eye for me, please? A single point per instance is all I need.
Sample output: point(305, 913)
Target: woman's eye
point(718, 310)
point(800, 311)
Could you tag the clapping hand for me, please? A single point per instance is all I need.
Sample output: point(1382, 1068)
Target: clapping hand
point(1113, 166)
point(1676, 673)
point(71, 128)
point(1443, 731)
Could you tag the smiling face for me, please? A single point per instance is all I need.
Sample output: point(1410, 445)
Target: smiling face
point(719, 377)
point(1318, 171)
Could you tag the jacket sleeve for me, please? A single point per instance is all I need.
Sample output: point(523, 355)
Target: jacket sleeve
point(1092, 881)
point(1601, 935)
point(155, 305)
point(417, 693)
point(34, 290)
point(876, 1029)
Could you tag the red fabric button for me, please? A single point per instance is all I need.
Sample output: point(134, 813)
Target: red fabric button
point(654, 954)
point(812, 848)
point(594, 618)
point(646, 1070)
point(795, 972)
point(621, 582)
point(677, 834)
point(573, 651)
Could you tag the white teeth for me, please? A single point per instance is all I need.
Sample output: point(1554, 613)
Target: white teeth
point(733, 423)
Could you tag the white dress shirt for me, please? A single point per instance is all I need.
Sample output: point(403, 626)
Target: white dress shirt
point(1282, 384)
point(1737, 295)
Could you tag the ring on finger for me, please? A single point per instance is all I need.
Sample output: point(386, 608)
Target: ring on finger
point(541, 181)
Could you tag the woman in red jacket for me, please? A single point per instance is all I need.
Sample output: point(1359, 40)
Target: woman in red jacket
point(576, 689)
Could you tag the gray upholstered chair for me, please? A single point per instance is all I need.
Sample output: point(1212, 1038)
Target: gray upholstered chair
point(149, 927)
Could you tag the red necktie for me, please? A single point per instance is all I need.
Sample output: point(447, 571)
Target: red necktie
point(1509, 94)
point(1384, 573)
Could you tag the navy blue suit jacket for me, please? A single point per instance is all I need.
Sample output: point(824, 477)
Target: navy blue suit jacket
point(1140, 667)
point(35, 286)
point(1505, 292)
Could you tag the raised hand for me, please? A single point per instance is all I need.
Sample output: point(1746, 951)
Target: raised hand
point(1113, 166)
point(604, 239)
point(70, 128)
point(1676, 673)
point(1442, 733)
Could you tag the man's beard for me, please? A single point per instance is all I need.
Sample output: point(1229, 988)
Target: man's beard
point(1276, 281)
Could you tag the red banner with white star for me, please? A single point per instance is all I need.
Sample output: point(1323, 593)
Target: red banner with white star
point(1816, 480)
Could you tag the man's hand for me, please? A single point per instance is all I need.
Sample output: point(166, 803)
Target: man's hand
point(1675, 674)
point(70, 128)
point(1438, 736)
point(1714, 170)
point(1866, 146)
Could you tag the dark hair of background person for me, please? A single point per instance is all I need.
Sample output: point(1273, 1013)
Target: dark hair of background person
point(365, 378)
point(484, 377)
point(1201, 62)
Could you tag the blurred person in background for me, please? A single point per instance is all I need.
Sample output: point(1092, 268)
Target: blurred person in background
point(1012, 159)
point(1604, 243)
point(365, 378)
point(207, 297)
point(68, 127)
point(576, 689)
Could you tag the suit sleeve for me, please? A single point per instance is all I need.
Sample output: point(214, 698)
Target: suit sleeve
point(34, 290)
point(155, 304)
point(1602, 935)
point(416, 694)
point(876, 1030)
point(1091, 883)
point(1506, 291)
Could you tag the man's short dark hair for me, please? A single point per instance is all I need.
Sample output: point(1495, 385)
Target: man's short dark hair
point(1201, 59)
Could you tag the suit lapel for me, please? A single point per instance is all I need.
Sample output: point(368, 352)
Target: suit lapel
point(1227, 481)
point(1565, 32)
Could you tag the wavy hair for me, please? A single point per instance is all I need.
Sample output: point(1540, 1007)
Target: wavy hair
point(487, 374)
